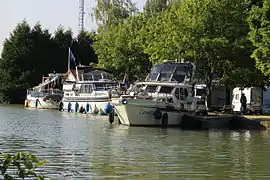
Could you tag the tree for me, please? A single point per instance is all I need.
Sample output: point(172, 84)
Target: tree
point(83, 47)
point(120, 51)
point(30, 53)
point(152, 7)
point(112, 12)
point(62, 42)
point(259, 21)
point(15, 52)
point(210, 33)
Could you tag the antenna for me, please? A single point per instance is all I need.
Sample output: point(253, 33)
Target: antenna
point(81, 15)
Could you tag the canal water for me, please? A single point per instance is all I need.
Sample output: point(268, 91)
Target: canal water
point(78, 146)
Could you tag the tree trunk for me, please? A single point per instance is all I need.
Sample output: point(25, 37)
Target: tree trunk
point(209, 96)
point(227, 95)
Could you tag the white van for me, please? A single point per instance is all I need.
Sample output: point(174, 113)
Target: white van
point(258, 100)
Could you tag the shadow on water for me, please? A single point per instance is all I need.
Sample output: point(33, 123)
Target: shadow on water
point(80, 146)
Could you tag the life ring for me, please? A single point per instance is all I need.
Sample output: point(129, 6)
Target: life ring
point(165, 119)
point(157, 114)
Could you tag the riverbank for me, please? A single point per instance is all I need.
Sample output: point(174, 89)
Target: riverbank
point(226, 121)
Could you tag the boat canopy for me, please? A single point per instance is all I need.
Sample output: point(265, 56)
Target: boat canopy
point(98, 75)
point(171, 72)
point(48, 81)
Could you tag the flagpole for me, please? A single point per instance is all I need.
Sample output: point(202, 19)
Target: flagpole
point(68, 58)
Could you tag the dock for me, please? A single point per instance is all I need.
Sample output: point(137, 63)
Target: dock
point(226, 121)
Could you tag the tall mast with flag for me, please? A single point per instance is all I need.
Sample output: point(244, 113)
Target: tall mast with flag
point(70, 58)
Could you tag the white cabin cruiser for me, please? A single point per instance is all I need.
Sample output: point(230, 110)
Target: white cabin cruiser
point(163, 99)
point(47, 94)
point(89, 92)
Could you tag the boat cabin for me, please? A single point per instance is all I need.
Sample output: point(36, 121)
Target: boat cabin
point(172, 72)
point(90, 82)
point(161, 91)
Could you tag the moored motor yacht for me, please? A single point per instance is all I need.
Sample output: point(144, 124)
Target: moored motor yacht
point(90, 90)
point(163, 99)
point(47, 94)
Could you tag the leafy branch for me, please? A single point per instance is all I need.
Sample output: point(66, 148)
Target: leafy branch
point(24, 165)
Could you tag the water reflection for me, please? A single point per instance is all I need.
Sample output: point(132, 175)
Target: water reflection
point(87, 147)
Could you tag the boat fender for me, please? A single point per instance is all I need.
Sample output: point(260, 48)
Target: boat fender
point(76, 107)
point(95, 110)
point(157, 114)
point(36, 105)
point(165, 119)
point(69, 107)
point(60, 107)
point(82, 110)
point(111, 116)
point(26, 103)
point(108, 108)
point(87, 107)
point(124, 101)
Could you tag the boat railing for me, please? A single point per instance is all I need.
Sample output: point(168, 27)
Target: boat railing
point(45, 92)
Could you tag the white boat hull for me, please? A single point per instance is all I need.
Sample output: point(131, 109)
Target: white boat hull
point(39, 103)
point(139, 115)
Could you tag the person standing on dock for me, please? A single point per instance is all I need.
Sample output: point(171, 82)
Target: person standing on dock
point(243, 101)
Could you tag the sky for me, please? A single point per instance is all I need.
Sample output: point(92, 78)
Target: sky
point(50, 14)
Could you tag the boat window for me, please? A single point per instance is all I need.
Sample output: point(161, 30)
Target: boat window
point(166, 89)
point(164, 77)
point(152, 77)
point(177, 93)
point(156, 68)
point(201, 92)
point(151, 88)
point(110, 86)
point(99, 86)
point(88, 77)
point(237, 96)
point(186, 92)
point(178, 78)
point(97, 75)
point(182, 97)
point(67, 94)
point(168, 68)
point(107, 75)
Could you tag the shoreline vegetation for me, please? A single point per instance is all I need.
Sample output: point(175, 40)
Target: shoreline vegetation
point(227, 41)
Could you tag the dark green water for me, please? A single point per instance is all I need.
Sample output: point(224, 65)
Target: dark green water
point(87, 147)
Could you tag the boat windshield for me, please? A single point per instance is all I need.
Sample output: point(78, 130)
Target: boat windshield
point(166, 89)
point(104, 86)
point(96, 76)
point(201, 92)
point(171, 72)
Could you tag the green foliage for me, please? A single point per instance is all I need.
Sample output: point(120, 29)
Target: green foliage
point(29, 53)
point(120, 51)
point(152, 7)
point(213, 34)
point(82, 45)
point(259, 21)
point(108, 13)
point(25, 164)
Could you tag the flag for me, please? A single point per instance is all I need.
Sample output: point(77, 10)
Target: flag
point(71, 57)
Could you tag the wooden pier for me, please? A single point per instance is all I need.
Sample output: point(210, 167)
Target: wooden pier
point(226, 121)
